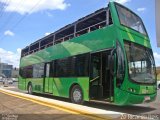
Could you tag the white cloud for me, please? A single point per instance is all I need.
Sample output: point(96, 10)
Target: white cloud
point(8, 33)
point(141, 9)
point(47, 33)
point(49, 14)
point(32, 6)
point(122, 1)
point(157, 58)
point(10, 57)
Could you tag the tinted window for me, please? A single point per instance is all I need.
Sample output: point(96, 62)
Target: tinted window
point(81, 66)
point(26, 72)
point(51, 72)
point(130, 19)
point(76, 66)
point(38, 70)
point(64, 67)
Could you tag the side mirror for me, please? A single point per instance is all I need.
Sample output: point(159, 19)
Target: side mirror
point(112, 61)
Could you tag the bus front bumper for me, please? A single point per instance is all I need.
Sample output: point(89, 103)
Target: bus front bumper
point(126, 98)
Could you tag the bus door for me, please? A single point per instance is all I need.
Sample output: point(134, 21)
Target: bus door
point(95, 76)
point(101, 83)
point(47, 80)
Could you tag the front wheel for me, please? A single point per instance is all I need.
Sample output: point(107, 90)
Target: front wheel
point(76, 95)
point(30, 89)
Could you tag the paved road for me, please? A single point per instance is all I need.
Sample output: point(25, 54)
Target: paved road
point(13, 108)
point(142, 109)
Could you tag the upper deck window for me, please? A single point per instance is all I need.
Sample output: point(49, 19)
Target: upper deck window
point(130, 19)
point(64, 34)
point(91, 23)
point(97, 20)
point(46, 42)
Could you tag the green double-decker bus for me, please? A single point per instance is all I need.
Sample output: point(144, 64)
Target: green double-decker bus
point(104, 57)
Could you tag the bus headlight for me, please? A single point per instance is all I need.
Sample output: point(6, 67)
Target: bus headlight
point(132, 90)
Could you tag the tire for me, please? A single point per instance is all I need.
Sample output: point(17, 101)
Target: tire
point(76, 95)
point(30, 89)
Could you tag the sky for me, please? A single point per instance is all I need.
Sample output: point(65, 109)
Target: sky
point(24, 21)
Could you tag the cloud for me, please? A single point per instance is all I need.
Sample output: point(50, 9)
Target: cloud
point(122, 1)
point(32, 6)
point(8, 33)
point(157, 58)
point(10, 57)
point(141, 9)
point(49, 14)
point(47, 33)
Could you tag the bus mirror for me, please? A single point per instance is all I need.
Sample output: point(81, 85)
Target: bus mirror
point(111, 61)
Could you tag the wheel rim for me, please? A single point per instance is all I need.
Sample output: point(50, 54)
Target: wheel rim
point(77, 95)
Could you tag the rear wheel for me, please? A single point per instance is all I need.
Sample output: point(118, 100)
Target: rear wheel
point(76, 95)
point(30, 89)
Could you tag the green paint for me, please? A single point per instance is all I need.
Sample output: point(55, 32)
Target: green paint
point(62, 86)
point(46, 85)
point(129, 35)
point(93, 41)
point(96, 40)
point(59, 86)
point(37, 84)
point(21, 83)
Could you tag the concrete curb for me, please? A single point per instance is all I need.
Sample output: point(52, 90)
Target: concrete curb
point(93, 113)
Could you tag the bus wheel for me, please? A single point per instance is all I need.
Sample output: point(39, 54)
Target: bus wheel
point(76, 95)
point(30, 89)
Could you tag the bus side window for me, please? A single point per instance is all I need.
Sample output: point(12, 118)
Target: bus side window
point(26, 72)
point(38, 70)
point(81, 65)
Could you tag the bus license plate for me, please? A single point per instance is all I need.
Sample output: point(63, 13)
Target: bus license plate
point(147, 98)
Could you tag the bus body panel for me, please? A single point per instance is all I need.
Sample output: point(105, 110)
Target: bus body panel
point(93, 41)
point(123, 95)
point(127, 98)
point(58, 86)
point(37, 84)
point(21, 83)
point(62, 86)
point(128, 93)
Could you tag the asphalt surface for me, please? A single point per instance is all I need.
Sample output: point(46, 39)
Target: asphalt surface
point(27, 110)
point(13, 108)
point(147, 109)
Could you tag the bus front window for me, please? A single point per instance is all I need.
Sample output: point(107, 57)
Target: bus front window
point(130, 19)
point(141, 63)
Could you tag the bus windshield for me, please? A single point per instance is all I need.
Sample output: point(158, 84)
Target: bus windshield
point(130, 19)
point(141, 63)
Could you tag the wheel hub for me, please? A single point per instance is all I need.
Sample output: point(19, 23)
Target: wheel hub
point(77, 95)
